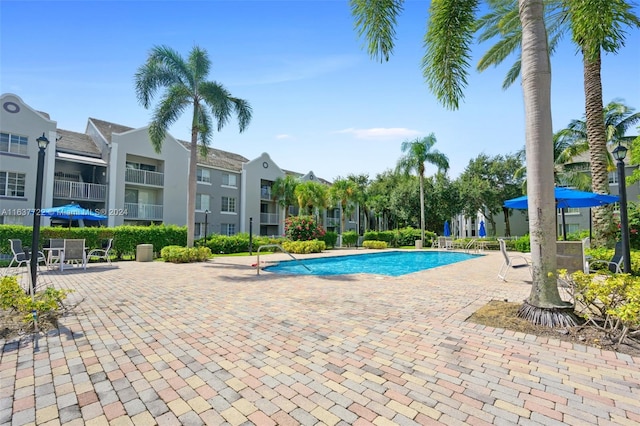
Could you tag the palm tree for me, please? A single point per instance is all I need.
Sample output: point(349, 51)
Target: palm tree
point(445, 66)
point(416, 153)
point(283, 191)
point(578, 17)
point(185, 86)
point(311, 196)
point(343, 192)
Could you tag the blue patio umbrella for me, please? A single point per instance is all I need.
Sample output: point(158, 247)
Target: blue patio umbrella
point(568, 198)
point(447, 230)
point(72, 212)
point(482, 232)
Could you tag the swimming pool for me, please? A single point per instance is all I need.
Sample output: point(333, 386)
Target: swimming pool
point(393, 263)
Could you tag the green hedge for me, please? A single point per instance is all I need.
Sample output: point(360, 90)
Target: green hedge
point(239, 243)
point(371, 244)
point(330, 239)
point(304, 247)
point(177, 254)
point(349, 238)
point(125, 238)
point(400, 237)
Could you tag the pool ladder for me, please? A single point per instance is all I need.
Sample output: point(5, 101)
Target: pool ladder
point(282, 250)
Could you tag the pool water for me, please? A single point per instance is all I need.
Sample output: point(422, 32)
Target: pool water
point(394, 263)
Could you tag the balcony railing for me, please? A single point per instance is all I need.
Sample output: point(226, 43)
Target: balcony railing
point(144, 177)
point(79, 190)
point(269, 218)
point(143, 211)
point(333, 221)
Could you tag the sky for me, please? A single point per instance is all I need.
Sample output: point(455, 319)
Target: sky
point(320, 103)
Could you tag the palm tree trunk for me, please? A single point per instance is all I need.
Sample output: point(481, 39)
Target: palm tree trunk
point(536, 85)
point(603, 232)
point(193, 169)
point(421, 208)
point(507, 222)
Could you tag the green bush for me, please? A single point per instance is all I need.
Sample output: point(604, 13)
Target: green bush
point(349, 239)
point(390, 237)
point(330, 239)
point(371, 244)
point(46, 303)
point(522, 244)
point(302, 228)
point(177, 254)
point(304, 247)
point(238, 243)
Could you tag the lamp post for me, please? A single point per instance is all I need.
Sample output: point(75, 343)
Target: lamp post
point(206, 225)
point(42, 146)
point(619, 153)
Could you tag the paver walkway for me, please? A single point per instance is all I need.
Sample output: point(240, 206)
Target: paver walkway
point(213, 343)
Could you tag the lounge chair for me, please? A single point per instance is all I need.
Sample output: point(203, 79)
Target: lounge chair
point(614, 265)
point(509, 260)
point(103, 253)
point(20, 257)
point(74, 252)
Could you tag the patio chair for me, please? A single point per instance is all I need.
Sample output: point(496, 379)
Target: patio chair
point(103, 253)
point(509, 260)
point(445, 243)
point(74, 252)
point(20, 257)
point(53, 255)
point(614, 265)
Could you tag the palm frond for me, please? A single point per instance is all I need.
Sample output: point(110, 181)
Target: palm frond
point(150, 77)
point(199, 64)
point(243, 111)
point(204, 130)
point(171, 106)
point(375, 21)
point(175, 64)
point(448, 42)
point(218, 98)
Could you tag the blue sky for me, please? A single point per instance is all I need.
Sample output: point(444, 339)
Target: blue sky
point(319, 102)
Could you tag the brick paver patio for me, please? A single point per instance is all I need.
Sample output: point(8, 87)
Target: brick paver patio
point(212, 343)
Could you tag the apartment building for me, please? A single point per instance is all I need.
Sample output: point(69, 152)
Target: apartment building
point(113, 169)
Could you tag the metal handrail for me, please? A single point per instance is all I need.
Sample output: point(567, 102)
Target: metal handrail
point(281, 249)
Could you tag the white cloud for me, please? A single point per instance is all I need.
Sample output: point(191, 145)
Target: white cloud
point(283, 136)
point(381, 133)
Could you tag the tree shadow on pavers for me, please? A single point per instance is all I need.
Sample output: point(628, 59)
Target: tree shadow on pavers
point(266, 276)
point(77, 271)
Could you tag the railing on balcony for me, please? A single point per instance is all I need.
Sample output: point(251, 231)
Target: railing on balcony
point(144, 177)
point(265, 193)
point(332, 221)
point(143, 211)
point(79, 190)
point(269, 218)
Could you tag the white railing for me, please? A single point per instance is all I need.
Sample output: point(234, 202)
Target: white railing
point(79, 190)
point(143, 211)
point(144, 177)
point(269, 218)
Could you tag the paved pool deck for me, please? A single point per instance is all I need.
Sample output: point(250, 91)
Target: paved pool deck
point(213, 343)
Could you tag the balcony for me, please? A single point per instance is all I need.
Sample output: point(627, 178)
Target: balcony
point(144, 177)
point(269, 218)
point(332, 221)
point(71, 190)
point(142, 211)
point(265, 193)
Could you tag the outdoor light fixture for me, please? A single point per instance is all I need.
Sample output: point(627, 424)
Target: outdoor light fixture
point(619, 153)
point(206, 223)
point(43, 142)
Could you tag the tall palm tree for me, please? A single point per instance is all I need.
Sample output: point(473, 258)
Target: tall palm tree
point(185, 86)
point(578, 17)
point(283, 191)
point(343, 192)
point(311, 196)
point(445, 66)
point(416, 153)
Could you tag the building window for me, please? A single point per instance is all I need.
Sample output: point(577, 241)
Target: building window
point(204, 175)
point(12, 184)
point(228, 229)
point(198, 230)
point(228, 204)
point(13, 143)
point(571, 228)
point(613, 178)
point(140, 166)
point(229, 180)
point(569, 210)
point(11, 220)
point(202, 202)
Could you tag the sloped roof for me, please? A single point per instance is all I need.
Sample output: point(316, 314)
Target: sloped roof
point(74, 142)
point(219, 158)
point(299, 175)
point(107, 129)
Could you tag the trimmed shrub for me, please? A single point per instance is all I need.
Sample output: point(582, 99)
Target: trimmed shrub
point(45, 304)
point(304, 247)
point(349, 238)
point(522, 244)
point(330, 239)
point(177, 254)
point(371, 244)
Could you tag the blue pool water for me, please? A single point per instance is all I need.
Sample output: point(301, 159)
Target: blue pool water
point(392, 263)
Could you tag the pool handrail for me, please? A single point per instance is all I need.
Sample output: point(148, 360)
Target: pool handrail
point(281, 249)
